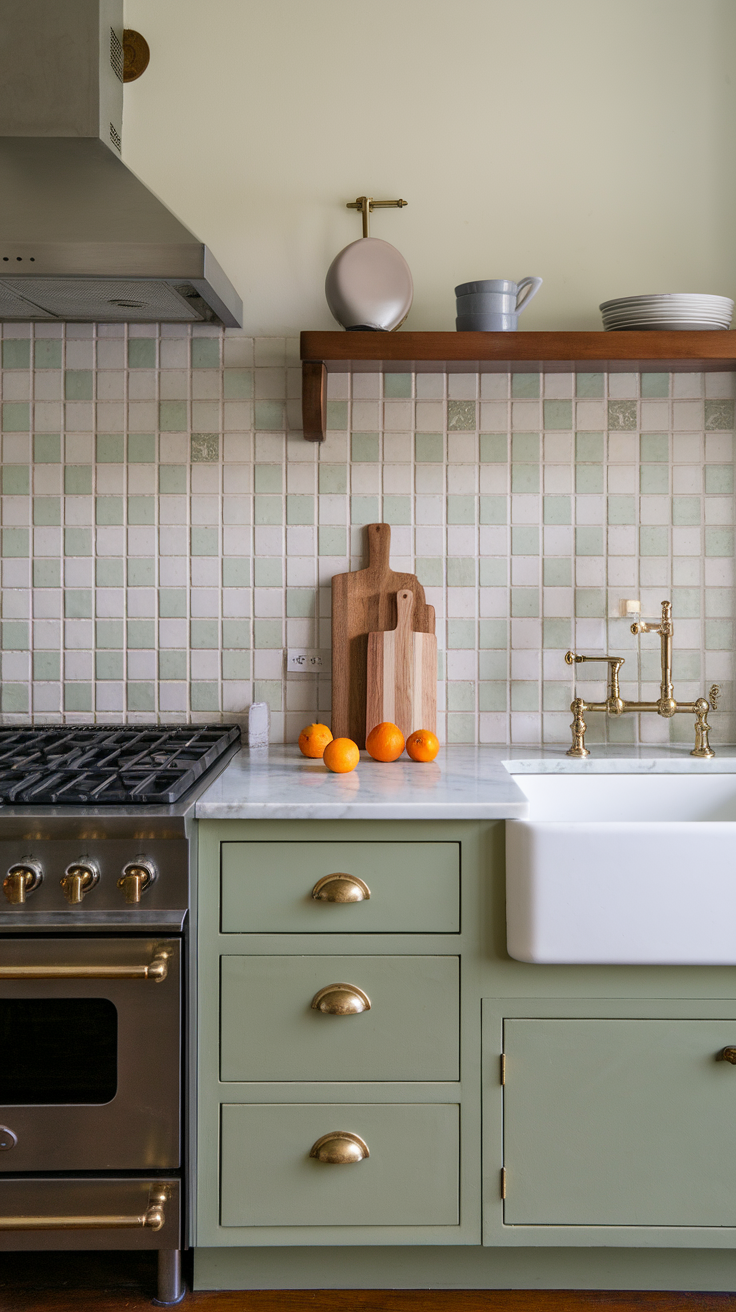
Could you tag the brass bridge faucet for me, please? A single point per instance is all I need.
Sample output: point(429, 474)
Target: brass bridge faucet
point(615, 705)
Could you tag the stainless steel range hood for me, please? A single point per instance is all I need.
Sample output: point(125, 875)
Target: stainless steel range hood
point(81, 237)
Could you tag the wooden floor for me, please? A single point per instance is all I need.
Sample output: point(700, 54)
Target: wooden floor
point(126, 1282)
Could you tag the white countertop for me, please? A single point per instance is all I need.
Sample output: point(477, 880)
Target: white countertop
point(464, 783)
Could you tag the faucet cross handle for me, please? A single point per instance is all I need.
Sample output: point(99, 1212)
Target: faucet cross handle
point(713, 696)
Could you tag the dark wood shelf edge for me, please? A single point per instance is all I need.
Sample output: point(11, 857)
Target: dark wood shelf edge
point(548, 352)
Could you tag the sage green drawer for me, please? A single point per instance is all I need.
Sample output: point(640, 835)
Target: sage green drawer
point(410, 1177)
point(267, 887)
point(270, 1031)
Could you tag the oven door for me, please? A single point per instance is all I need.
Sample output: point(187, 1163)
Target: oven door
point(90, 1054)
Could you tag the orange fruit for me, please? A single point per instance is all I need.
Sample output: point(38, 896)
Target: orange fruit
point(314, 739)
point(422, 745)
point(341, 755)
point(385, 742)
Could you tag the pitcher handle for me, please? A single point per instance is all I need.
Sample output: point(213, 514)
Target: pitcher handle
point(534, 284)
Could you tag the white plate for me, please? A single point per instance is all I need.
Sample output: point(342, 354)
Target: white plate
point(666, 325)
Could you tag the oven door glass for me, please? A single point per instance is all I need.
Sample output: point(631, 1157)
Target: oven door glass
point(58, 1050)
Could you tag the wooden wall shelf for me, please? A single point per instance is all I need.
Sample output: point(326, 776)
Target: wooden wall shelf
point(407, 352)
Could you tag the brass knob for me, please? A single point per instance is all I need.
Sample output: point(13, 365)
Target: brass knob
point(78, 879)
point(340, 1148)
point(727, 1054)
point(341, 1000)
point(21, 880)
point(137, 876)
point(340, 888)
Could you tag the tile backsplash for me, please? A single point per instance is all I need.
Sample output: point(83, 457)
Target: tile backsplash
point(167, 533)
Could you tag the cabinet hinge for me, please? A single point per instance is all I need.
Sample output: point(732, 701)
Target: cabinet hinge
point(503, 1067)
point(503, 1181)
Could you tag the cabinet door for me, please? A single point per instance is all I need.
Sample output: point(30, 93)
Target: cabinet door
point(619, 1123)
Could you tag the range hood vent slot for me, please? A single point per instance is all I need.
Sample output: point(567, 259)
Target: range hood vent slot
point(117, 58)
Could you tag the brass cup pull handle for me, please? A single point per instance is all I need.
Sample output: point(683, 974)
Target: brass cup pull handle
point(341, 1000)
point(21, 879)
point(340, 888)
point(340, 1148)
point(156, 970)
point(727, 1054)
point(152, 1219)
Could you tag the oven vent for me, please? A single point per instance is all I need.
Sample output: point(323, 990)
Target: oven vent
point(116, 54)
point(115, 137)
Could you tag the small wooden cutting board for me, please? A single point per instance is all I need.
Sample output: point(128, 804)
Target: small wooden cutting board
point(402, 674)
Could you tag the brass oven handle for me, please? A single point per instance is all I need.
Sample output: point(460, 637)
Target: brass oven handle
point(340, 1148)
point(152, 1219)
point(727, 1054)
point(341, 1000)
point(157, 970)
point(340, 888)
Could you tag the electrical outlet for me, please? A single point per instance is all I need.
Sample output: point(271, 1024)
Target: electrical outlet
point(306, 660)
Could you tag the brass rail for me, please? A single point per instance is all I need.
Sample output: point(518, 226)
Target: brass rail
point(152, 1219)
point(157, 970)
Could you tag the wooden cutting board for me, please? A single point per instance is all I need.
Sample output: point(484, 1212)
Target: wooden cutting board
point(363, 602)
point(402, 674)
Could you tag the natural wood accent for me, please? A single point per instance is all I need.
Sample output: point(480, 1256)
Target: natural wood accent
point(314, 400)
point(410, 352)
point(402, 674)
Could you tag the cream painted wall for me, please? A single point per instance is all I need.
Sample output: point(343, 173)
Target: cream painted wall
point(589, 141)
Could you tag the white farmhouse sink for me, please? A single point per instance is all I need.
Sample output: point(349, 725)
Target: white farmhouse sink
point(623, 869)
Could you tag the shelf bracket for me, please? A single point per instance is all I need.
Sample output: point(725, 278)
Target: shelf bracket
point(314, 400)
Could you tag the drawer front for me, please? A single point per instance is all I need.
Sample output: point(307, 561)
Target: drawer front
point(270, 1031)
point(267, 888)
point(410, 1177)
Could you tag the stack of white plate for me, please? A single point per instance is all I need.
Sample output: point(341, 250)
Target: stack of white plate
point(683, 310)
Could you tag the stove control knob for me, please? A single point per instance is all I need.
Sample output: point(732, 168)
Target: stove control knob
point(22, 879)
point(137, 876)
point(78, 879)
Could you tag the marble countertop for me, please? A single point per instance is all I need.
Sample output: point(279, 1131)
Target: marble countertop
point(464, 783)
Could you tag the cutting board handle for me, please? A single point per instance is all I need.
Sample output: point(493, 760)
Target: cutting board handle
point(404, 610)
point(379, 546)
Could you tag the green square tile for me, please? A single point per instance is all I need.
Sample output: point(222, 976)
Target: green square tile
point(109, 510)
point(78, 480)
point(16, 480)
point(270, 510)
point(461, 635)
point(336, 415)
point(492, 696)
point(719, 479)
point(460, 572)
point(110, 449)
point(141, 510)
point(622, 510)
point(524, 696)
point(15, 542)
point(461, 416)
point(46, 573)
point(299, 509)
point(47, 354)
point(397, 385)
point(461, 728)
point(589, 447)
point(524, 478)
point(589, 478)
point(141, 572)
point(460, 696)
point(141, 446)
point(268, 690)
point(653, 541)
point(622, 416)
point(237, 384)
point(141, 634)
point(15, 635)
point(654, 478)
point(47, 449)
point(78, 384)
point(718, 541)
point(494, 448)
point(204, 448)
point(205, 353)
point(588, 541)
point(270, 417)
point(557, 510)
point(172, 665)
point(333, 478)
point(493, 634)
point(428, 448)
point(332, 541)
point(686, 665)
point(172, 479)
point(460, 509)
point(269, 478)
point(557, 414)
point(16, 416)
point(77, 696)
point(109, 573)
point(525, 386)
point(236, 572)
point(204, 542)
point(268, 571)
point(655, 446)
point(718, 635)
point(47, 510)
point(686, 603)
point(493, 572)
point(46, 665)
point(109, 634)
point(525, 540)
point(719, 415)
point(364, 447)
point(172, 603)
point(77, 541)
point(655, 384)
point(686, 510)
point(16, 353)
point(78, 604)
point(141, 697)
point(590, 385)
point(172, 416)
point(525, 447)
point(623, 730)
point(364, 510)
point(204, 696)
point(236, 665)
point(300, 603)
point(590, 603)
point(557, 572)
point(556, 696)
point(650, 668)
point(525, 603)
point(141, 353)
point(267, 634)
point(492, 665)
point(236, 633)
point(429, 571)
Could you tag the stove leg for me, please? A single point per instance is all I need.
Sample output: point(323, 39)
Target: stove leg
point(171, 1288)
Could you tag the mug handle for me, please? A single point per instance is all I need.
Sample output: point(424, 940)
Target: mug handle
point(534, 284)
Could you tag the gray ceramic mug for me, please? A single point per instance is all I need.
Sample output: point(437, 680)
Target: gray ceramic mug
point(493, 304)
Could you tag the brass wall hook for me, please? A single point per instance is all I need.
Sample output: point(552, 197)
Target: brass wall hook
point(366, 203)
